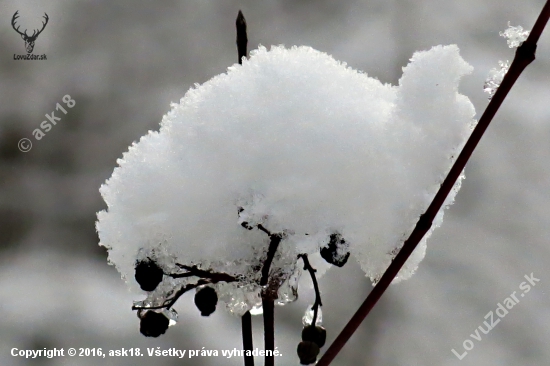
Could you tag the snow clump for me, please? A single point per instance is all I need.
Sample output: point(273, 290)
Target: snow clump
point(299, 144)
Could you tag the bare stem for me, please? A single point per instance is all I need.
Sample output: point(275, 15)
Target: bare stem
point(311, 270)
point(268, 296)
point(171, 301)
point(195, 271)
point(525, 54)
point(275, 239)
point(247, 338)
point(242, 39)
point(268, 306)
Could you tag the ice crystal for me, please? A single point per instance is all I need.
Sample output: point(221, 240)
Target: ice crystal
point(515, 35)
point(495, 77)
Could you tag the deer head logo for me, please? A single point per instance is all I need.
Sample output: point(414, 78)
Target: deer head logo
point(29, 40)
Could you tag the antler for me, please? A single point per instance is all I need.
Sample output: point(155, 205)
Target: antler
point(43, 26)
point(15, 16)
point(34, 34)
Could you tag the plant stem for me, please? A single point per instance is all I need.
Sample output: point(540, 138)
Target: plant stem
point(268, 306)
point(247, 338)
point(269, 295)
point(525, 54)
point(275, 239)
point(311, 270)
point(242, 39)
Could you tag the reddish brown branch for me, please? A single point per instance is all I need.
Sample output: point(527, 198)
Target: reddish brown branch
point(525, 54)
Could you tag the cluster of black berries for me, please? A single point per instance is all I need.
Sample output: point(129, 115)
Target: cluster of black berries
point(149, 275)
point(313, 338)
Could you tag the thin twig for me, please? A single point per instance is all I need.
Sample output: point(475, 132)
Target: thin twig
point(206, 278)
point(246, 321)
point(525, 54)
point(268, 305)
point(242, 39)
point(195, 271)
point(171, 301)
point(311, 270)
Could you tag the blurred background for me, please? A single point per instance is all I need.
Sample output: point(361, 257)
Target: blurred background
point(123, 62)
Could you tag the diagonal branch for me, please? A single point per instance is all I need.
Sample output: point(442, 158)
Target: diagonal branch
point(525, 54)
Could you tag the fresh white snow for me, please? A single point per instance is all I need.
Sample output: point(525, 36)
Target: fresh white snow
point(304, 145)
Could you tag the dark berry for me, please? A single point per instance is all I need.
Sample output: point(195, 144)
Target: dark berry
point(330, 252)
point(206, 299)
point(148, 275)
point(308, 351)
point(153, 324)
point(315, 334)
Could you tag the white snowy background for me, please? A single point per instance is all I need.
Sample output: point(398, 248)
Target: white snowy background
point(124, 62)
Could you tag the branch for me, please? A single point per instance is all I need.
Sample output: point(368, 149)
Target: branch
point(525, 54)
point(317, 303)
point(171, 301)
point(242, 39)
point(246, 321)
point(194, 271)
point(206, 278)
